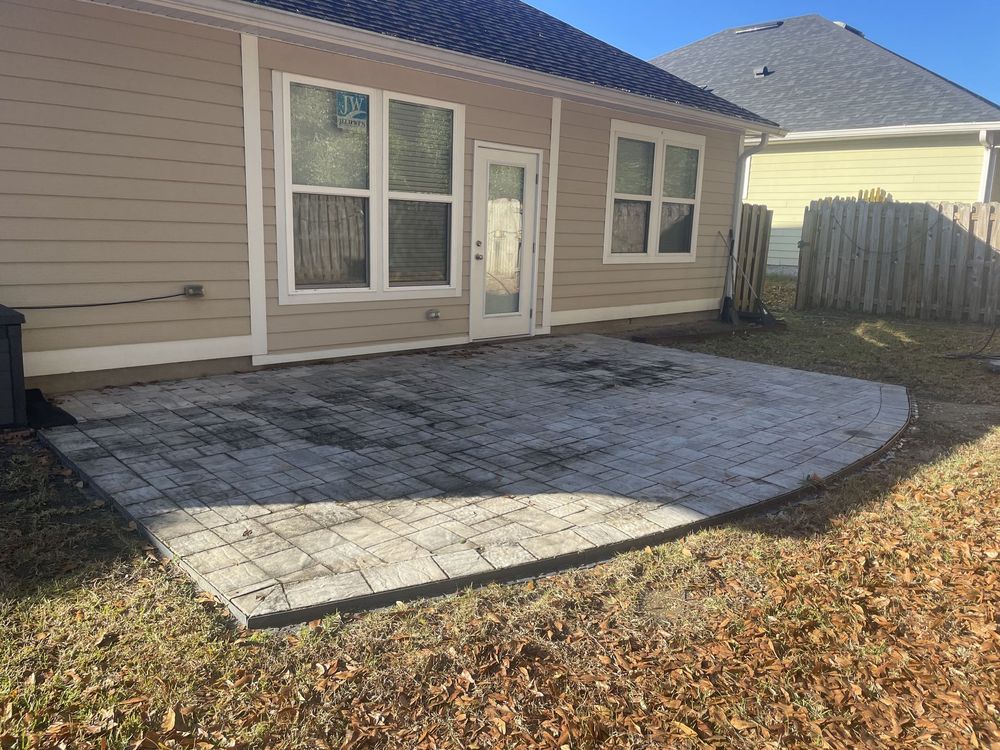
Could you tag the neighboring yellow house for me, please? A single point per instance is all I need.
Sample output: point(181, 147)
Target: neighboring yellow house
point(859, 117)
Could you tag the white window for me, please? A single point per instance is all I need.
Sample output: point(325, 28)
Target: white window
point(654, 194)
point(370, 206)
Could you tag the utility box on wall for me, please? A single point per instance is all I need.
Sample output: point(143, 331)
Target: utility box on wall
point(12, 406)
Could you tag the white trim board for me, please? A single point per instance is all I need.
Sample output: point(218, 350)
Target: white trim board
point(94, 358)
point(598, 314)
point(551, 207)
point(305, 31)
point(357, 351)
point(253, 164)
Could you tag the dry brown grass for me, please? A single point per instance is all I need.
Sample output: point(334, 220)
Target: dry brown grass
point(864, 616)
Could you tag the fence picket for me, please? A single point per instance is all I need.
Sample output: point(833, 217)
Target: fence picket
point(858, 253)
point(933, 236)
point(807, 258)
point(848, 233)
point(886, 260)
point(988, 246)
point(827, 252)
point(960, 277)
point(871, 256)
point(833, 256)
point(944, 253)
point(991, 283)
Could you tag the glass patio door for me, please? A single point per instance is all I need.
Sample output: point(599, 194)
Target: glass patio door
point(503, 243)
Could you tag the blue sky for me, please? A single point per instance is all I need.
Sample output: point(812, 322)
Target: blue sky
point(960, 40)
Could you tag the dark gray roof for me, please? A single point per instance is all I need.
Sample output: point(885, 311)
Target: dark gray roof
point(822, 76)
point(512, 32)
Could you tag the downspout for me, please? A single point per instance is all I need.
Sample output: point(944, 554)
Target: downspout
point(990, 140)
point(729, 313)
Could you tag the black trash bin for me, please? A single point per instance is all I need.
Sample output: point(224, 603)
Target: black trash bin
point(13, 412)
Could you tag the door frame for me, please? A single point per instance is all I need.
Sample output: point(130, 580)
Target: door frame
point(475, 286)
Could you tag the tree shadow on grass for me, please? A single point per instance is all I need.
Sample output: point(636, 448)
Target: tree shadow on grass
point(51, 531)
point(956, 401)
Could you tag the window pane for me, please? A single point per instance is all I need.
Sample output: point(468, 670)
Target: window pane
point(630, 227)
point(420, 144)
point(504, 239)
point(680, 172)
point(676, 223)
point(634, 170)
point(331, 241)
point(329, 137)
point(419, 240)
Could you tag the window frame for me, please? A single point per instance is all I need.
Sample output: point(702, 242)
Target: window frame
point(378, 195)
point(661, 138)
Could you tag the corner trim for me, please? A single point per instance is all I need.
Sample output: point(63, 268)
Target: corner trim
point(357, 351)
point(94, 358)
point(594, 315)
point(551, 208)
point(253, 165)
point(988, 175)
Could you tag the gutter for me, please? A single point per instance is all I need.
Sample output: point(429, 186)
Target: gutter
point(990, 140)
point(890, 131)
point(728, 312)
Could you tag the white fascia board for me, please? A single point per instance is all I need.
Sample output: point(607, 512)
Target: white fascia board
point(245, 18)
point(890, 131)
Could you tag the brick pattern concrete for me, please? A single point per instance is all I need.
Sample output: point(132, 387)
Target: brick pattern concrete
point(320, 484)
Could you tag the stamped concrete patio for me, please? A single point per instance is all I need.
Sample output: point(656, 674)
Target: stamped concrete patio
point(295, 492)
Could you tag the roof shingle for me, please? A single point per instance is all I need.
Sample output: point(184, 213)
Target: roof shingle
point(512, 32)
point(823, 77)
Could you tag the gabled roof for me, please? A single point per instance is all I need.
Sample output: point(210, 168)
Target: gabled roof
point(514, 33)
point(823, 76)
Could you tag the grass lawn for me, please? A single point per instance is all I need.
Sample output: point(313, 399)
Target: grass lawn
point(865, 616)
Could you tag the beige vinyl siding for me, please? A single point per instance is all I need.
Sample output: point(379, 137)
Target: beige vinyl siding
point(121, 174)
point(581, 278)
point(493, 114)
point(787, 176)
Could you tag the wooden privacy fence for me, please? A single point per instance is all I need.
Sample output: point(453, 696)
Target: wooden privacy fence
point(751, 262)
point(929, 260)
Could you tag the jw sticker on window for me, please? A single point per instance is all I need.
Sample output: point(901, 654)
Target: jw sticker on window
point(352, 111)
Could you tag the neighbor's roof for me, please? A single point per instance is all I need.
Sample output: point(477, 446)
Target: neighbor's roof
point(823, 76)
point(512, 32)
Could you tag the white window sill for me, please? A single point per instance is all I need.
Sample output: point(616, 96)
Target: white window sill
point(335, 296)
point(666, 258)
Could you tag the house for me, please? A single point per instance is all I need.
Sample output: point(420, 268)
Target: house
point(297, 180)
point(859, 117)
